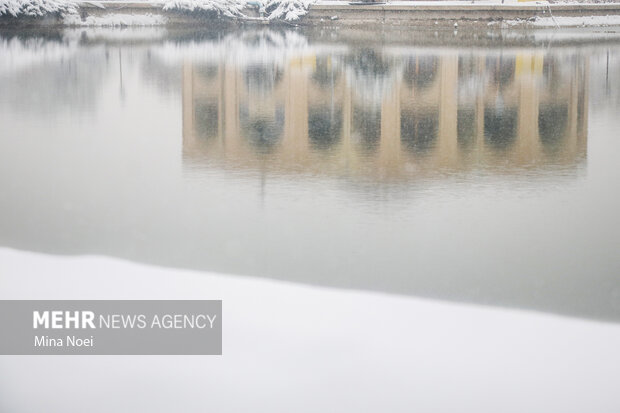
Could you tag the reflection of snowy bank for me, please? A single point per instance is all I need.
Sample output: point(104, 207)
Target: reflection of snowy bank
point(18, 53)
point(43, 75)
point(115, 20)
point(328, 349)
point(371, 75)
point(115, 34)
point(241, 49)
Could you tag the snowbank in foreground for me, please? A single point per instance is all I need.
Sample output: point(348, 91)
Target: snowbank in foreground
point(297, 348)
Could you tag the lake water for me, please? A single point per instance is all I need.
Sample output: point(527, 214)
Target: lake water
point(480, 169)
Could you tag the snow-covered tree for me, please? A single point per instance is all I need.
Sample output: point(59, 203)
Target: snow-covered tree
point(272, 9)
point(287, 9)
point(36, 8)
point(228, 8)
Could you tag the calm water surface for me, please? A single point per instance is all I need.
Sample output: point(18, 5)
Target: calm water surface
point(483, 172)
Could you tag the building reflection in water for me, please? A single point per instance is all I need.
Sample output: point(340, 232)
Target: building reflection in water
point(389, 116)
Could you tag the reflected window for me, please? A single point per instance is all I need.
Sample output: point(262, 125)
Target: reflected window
point(369, 62)
point(324, 126)
point(467, 66)
point(468, 81)
point(263, 131)
point(262, 80)
point(206, 72)
point(466, 128)
point(421, 71)
point(366, 128)
point(206, 116)
point(501, 69)
point(324, 75)
point(418, 131)
point(500, 127)
point(261, 120)
point(552, 123)
point(553, 76)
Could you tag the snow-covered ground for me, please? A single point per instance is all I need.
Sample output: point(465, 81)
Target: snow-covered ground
point(581, 21)
point(298, 348)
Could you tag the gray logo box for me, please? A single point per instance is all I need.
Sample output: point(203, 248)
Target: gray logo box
point(111, 327)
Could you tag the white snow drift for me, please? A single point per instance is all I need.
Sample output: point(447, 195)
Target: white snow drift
point(291, 347)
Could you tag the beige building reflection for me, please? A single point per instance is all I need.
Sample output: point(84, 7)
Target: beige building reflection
point(364, 114)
